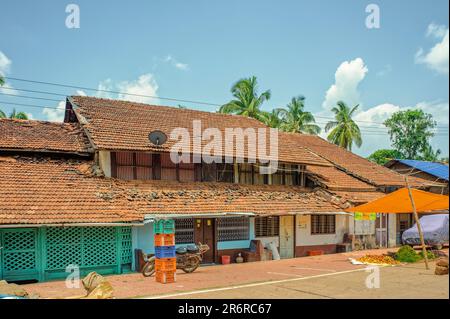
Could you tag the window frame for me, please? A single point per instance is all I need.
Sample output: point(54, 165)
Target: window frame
point(270, 231)
point(323, 229)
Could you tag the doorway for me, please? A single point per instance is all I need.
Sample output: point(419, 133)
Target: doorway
point(381, 230)
point(287, 240)
point(205, 233)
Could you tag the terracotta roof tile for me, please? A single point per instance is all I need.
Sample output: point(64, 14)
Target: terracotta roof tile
point(351, 163)
point(122, 125)
point(30, 135)
point(335, 179)
point(38, 191)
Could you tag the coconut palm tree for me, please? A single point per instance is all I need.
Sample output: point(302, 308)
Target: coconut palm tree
point(295, 120)
point(344, 131)
point(271, 119)
point(15, 115)
point(247, 102)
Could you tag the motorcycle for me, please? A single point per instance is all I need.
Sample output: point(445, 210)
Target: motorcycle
point(188, 259)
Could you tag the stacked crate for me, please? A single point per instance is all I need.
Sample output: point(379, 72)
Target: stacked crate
point(165, 262)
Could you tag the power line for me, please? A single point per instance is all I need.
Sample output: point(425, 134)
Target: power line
point(30, 97)
point(139, 95)
point(112, 92)
point(366, 132)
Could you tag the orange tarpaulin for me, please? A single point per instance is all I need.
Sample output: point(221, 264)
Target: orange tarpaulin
point(399, 202)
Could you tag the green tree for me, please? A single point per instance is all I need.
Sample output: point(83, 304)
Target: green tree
point(18, 115)
point(344, 131)
point(14, 115)
point(247, 102)
point(271, 119)
point(383, 156)
point(430, 155)
point(2, 81)
point(410, 132)
point(295, 119)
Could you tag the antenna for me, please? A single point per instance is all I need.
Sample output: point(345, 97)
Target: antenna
point(157, 138)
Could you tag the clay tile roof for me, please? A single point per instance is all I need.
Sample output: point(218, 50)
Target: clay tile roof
point(40, 191)
point(30, 135)
point(353, 164)
point(123, 125)
point(335, 179)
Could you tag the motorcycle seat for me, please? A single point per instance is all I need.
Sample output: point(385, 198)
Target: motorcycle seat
point(192, 249)
point(181, 250)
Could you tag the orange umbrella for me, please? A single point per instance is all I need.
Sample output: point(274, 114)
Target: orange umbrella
point(399, 202)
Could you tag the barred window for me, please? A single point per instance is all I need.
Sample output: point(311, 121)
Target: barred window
point(323, 224)
point(184, 231)
point(233, 228)
point(267, 226)
point(225, 172)
point(245, 173)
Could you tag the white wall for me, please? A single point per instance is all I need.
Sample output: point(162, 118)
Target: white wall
point(304, 237)
point(104, 159)
point(392, 228)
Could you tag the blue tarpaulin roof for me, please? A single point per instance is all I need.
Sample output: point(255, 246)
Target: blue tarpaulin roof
point(436, 169)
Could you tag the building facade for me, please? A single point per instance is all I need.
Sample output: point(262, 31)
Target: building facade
point(84, 193)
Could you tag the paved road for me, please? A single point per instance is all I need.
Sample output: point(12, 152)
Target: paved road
point(410, 281)
point(327, 276)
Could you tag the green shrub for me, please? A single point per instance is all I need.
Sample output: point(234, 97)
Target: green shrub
point(430, 255)
point(407, 254)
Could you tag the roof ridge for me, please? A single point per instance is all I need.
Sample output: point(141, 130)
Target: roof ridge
point(165, 106)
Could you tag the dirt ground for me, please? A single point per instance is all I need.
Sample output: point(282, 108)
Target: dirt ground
point(327, 276)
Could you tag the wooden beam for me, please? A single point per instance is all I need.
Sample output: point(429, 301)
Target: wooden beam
point(419, 227)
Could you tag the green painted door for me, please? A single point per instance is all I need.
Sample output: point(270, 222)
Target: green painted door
point(19, 255)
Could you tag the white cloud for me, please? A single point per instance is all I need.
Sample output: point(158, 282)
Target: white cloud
point(144, 85)
point(437, 57)
point(437, 31)
point(177, 64)
point(380, 113)
point(5, 64)
point(347, 78)
point(55, 114)
point(5, 67)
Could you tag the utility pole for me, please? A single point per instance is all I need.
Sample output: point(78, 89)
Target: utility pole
point(419, 228)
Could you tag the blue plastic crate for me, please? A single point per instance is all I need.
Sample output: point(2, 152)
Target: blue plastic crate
point(165, 252)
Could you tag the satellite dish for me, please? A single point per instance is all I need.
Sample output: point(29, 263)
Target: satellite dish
point(157, 138)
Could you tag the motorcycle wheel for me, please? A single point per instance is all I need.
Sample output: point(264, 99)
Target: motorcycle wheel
point(149, 267)
point(192, 264)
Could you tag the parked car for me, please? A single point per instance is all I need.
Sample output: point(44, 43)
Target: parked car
point(434, 228)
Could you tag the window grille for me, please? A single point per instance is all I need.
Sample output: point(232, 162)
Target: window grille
point(323, 224)
point(245, 173)
point(267, 226)
point(184, 231)
point(233, 228)
point(225, 172)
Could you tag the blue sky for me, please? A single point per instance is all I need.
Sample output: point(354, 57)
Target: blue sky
point(197, 49)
